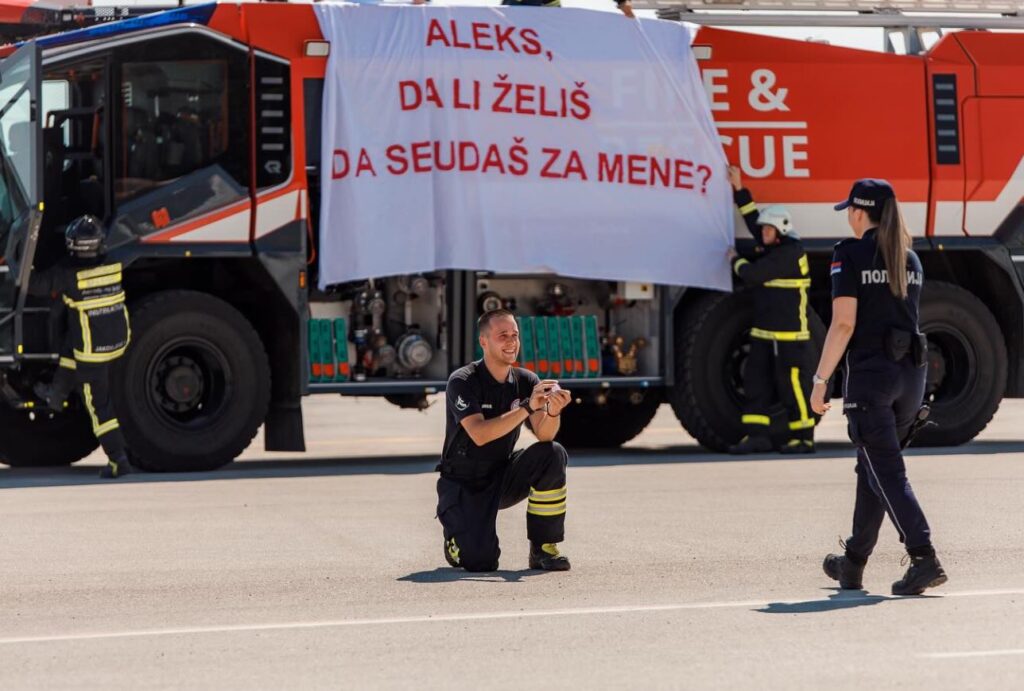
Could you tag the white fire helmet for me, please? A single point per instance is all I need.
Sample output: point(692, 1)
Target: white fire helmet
point(778, 216)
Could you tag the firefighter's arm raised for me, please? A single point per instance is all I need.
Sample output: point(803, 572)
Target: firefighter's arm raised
point(546, 423)
point(744, 202)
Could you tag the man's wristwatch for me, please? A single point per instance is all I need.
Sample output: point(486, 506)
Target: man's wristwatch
point(525, 405)
point(818, 380)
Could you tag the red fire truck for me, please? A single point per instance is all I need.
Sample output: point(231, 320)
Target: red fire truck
point(194, 133)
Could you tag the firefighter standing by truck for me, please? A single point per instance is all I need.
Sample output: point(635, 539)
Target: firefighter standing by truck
point(487, 403)
point(97, 334)
point(876, 291)
point(781, 358)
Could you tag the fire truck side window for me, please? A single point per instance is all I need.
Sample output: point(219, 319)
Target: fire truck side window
point(181, 146)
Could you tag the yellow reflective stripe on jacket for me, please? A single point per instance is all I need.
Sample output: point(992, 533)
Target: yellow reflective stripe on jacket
point(747, 208)
point(803, 311)
point(68, 363)
point(801, 424)
point(805, 268)
point(91, 357)
point(789, 283)
point(95, 303)
point(99, 271)
point(738, 264)
point(756, 420)
point(781, 335)
point(100, 281)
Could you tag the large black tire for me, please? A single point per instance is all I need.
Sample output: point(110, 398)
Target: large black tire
point(967, 364)
point(43, 439)
point(712, 339)
point(194, 386)
point(608, 420)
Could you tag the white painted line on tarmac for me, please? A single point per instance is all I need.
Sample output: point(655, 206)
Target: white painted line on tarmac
point(971, 653)
point(469, 616)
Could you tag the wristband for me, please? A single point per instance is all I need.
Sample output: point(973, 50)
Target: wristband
point(525, 405)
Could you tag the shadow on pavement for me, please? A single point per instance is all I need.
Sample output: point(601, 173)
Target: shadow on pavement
point(449, 575)
point(304, 466)
point(839, 599)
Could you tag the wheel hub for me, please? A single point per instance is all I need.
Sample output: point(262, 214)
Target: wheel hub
point(181, 384)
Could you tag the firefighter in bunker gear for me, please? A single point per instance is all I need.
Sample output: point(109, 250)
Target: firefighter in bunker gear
point(481, 473)
point(875, 313)
point(97, 333)
point(779, 366)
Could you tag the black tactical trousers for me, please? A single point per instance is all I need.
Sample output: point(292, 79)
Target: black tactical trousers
point(881, 399)
point(468, 511)
point(93, 382)
point(778, 372)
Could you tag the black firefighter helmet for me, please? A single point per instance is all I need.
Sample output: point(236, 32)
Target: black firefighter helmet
point(84, 237)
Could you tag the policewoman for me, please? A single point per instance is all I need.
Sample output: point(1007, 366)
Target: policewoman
point(781, 358)
point(876, 289)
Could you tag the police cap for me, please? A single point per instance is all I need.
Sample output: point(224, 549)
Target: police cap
point(868, 193)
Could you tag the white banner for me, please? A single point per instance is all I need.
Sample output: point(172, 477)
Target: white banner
point(518, 140)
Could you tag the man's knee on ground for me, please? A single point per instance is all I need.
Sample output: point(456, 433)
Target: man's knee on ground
point(478, 560)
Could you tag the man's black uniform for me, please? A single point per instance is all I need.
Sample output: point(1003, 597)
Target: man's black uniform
point(781, 359)
point(97, 334)
point(477, 481)
point(883, 389)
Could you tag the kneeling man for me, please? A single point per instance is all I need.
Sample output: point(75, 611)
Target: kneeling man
point(488, 401)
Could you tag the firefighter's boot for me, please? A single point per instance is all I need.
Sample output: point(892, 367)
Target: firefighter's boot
point(797, 446)
point(750, 444)
point(546, 557)
point(840, 567)
point(117, 467)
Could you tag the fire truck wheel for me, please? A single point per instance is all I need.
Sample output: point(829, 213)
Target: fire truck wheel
point(608, 420)
point(194, 386)
point(967, 364)
point(41, 439)
point(712, 340)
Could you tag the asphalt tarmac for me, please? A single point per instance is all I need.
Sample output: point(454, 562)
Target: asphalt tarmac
point(324, 570)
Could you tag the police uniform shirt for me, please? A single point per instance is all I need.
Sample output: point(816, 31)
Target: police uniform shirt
point(472, 390)
point(858, 271)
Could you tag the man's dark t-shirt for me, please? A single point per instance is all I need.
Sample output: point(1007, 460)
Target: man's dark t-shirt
point(472, 390)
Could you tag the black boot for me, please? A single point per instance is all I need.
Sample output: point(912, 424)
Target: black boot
point(547, 557)
point(840, 567)
point(795, 446)
point(751, 445)
point(117, 467)
point(924, 572)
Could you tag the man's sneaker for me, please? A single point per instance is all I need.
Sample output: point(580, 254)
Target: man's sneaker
point(797, 446)
point(924, 572)
point(840, 568)
point(751, 445)
point(547, 558)
point(117, 468)
point(451, 553)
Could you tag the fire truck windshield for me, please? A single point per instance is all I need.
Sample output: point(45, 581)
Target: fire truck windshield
point(17, 140)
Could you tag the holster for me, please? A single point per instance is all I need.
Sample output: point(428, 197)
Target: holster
point(919, 349)
point(921, 422)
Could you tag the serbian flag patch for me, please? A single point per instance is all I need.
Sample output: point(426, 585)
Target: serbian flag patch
point(836, 267)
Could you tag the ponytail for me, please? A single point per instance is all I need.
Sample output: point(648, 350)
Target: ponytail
point(894, 243)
